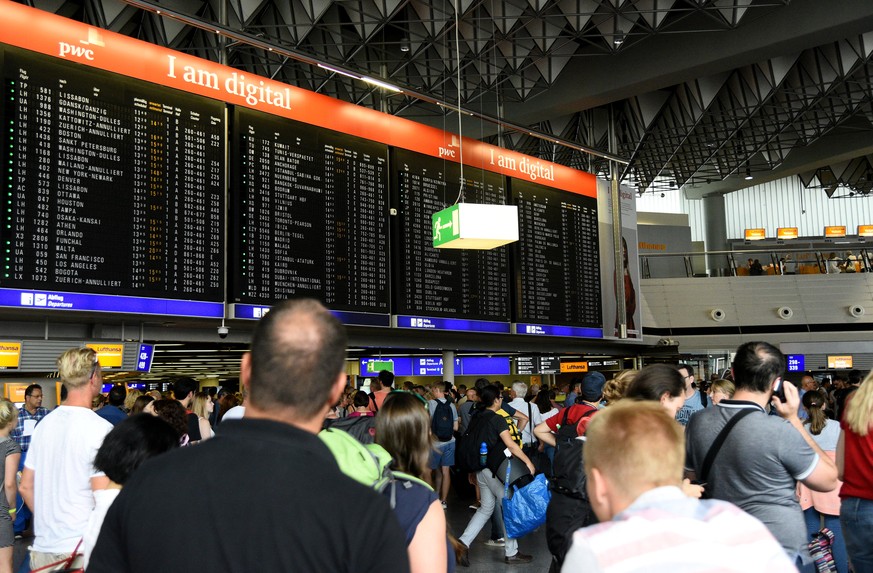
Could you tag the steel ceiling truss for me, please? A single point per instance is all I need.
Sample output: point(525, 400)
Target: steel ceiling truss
point(703, 130)
point(519, 47)
point(751, 119)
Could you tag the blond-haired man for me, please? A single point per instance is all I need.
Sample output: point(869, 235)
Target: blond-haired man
point(59, 476)
point(634, 460)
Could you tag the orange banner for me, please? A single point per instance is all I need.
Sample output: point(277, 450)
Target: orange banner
point(15, 391)
point(755, 234)
point(865, 230)
point(57, 36)
point(834, 232)
point(786, 233)
point(574, 366)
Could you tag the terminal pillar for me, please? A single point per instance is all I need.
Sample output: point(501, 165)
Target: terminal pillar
point(716, 235)
point(449, 366)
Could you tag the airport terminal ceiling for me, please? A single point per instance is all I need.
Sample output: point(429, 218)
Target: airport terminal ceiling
point(703, 92)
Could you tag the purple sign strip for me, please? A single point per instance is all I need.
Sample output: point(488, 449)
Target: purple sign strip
point(52, 300)
point(550, 330)
point(256, 311)
point(457, 324)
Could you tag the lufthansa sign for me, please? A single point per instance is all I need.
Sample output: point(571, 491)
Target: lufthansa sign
point(574, 366)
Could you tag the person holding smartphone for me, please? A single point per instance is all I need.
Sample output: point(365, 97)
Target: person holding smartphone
point(761, 457)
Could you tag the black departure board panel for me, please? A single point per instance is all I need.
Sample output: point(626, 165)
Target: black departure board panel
point(114, 186)
point(558, 266)
point(311, 215)
point(466, 284)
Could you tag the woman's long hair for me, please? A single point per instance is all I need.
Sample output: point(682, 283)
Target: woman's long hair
point(813, 402)
point(859, 410)
point(403, 429)
point(544, 400)
point(654, 381)
point(198, 404)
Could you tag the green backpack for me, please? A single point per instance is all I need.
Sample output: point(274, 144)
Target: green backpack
point(368, 464)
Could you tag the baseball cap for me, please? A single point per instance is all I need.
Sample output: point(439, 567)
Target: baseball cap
point(592, 386)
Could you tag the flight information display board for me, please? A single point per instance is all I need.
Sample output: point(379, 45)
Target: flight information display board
point(460, 289)
point(311, 216)
point(114, 186)
point(557, 262)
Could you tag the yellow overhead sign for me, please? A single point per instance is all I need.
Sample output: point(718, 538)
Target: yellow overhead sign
point(835, 231)
point(786, 233)
point(109, 355)
point(755, 234)
point(10, 354)
point(574, 366)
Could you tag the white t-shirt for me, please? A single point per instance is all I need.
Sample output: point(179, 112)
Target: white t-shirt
point(235, 413)
point(103, 498)
point(61, 456)
point(550, 413)
point(519, 404)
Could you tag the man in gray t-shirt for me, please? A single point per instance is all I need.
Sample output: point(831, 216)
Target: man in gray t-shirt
point(763, 456)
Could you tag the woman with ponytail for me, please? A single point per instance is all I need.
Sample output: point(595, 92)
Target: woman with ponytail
point(822, 509)
point(855, 464)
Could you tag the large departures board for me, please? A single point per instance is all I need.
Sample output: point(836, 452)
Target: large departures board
point(112, 186)
point(311, 215)
point(470, 286)
point(557, 261)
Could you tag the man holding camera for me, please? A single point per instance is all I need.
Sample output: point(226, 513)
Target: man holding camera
point(761, 457)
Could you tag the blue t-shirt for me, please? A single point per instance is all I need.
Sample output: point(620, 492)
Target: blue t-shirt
point(691, 406)
point(111, 414)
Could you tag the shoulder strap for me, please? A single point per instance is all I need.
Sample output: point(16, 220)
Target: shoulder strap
point(392, 498)
point(564, 419)
point(530, 423)
point(586, 414)
point(409, 477)
point(719, 440)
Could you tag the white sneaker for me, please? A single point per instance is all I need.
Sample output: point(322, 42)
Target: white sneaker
point(496, 542)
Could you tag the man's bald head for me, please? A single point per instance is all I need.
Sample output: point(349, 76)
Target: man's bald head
point(298, 351)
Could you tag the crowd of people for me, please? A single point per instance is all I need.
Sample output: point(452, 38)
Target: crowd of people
point(669, 473)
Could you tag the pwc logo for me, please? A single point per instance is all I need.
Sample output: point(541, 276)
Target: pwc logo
point(82, 50)
point(451, 149)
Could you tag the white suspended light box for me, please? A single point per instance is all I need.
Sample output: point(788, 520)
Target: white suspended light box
point(475, 226)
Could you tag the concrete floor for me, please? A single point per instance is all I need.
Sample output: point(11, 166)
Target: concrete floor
point(485, 559)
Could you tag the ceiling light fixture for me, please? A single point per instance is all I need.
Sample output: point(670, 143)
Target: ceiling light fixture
point(380, 84)
point(748, 176)
point(338, 71)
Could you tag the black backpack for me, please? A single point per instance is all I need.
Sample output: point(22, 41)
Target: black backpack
point(362, 428)
point(467, 449)
point(442, 424)
point(568, 469)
